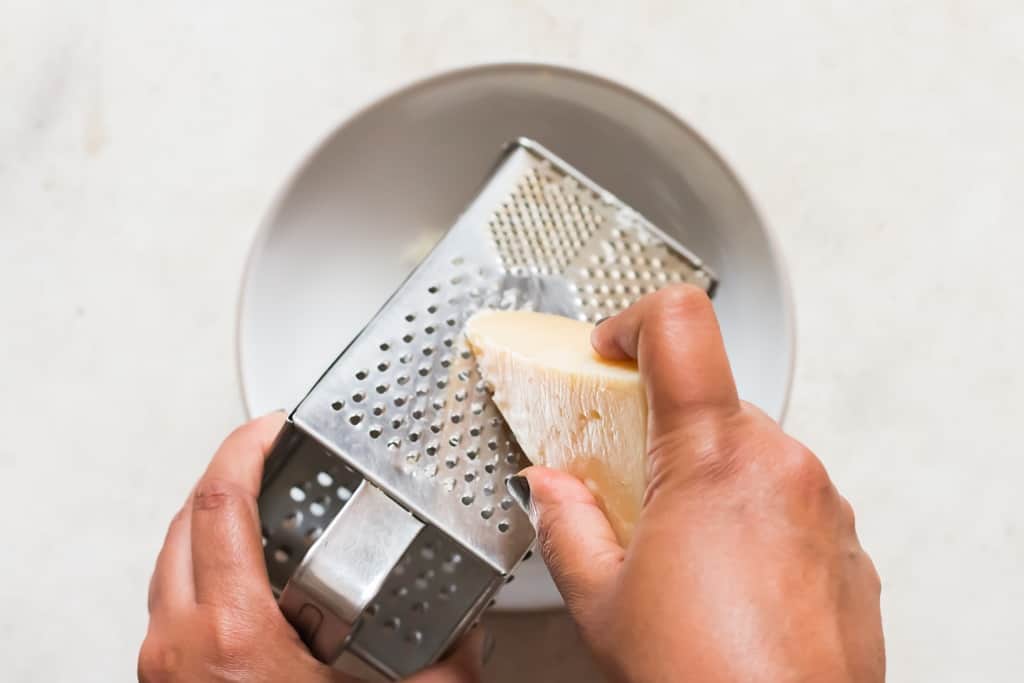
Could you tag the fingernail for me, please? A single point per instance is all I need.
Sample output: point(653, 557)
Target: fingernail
point(489, 643)
point(601, 320)
point(519, 488)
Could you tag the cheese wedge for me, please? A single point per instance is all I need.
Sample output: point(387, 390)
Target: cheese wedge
point(568, 408)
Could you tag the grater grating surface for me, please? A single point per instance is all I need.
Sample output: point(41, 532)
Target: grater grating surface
point(405, 409)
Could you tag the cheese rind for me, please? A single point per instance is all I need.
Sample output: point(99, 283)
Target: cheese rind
point(568, 408)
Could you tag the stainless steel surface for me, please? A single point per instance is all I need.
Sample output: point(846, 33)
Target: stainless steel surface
point(404, 407)
point(361, 211)
point(346, 567)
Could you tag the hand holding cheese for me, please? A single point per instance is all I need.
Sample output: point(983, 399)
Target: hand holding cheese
point(569, 408)
point(742, 562)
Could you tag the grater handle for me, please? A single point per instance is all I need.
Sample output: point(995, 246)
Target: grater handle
point(345, 568)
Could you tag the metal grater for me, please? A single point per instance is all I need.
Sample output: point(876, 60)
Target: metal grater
point(387, 525)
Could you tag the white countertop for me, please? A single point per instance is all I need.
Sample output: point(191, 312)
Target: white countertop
point(140, 143)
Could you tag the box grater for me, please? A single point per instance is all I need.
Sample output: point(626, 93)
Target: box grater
point(387, 525)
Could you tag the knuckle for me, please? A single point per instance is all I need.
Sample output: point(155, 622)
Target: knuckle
point(229, 638)
point(801, 469)
point(213, 493)
point(847, 513)
point(157, 662)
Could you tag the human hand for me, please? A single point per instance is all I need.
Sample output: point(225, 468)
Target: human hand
point(744, 564)
point(212, 614)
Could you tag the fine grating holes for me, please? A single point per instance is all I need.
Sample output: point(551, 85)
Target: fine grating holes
point(324, 479)
point(282, 555)
point(337, 405)
point(343, 493)
point(297, 494)
point(504, 526)
point(379, 409)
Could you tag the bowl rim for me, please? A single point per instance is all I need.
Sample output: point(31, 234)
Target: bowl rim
point(435, 78)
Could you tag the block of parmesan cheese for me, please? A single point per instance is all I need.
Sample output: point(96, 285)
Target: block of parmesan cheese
point(568, 408)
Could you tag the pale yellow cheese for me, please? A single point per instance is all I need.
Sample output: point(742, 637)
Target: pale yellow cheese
point(568, 408)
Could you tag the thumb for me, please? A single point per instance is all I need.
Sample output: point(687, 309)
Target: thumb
point(575, 538)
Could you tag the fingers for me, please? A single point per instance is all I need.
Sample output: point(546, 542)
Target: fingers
point(464, 665)
point(227, 553)
point(171, 585)
point(240, 458)
point(674, 336)
point(577, 542)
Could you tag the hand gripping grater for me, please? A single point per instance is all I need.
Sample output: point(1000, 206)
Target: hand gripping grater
point(387, 526)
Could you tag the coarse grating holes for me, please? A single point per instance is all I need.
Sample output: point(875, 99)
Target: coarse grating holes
point(297, 494)
point(467, 499)
point(343, 493)
point(292, 520)
point(313, 533)
point(282, 554)
point(324, 479)
point(358, 396)
point(504, 526)
point(318, 508)
point(337, 405)
point(374, 432)
point(506, 503)
point(379, 409)
point(487, 512)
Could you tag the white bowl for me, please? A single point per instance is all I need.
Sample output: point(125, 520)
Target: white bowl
point(355, 217)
